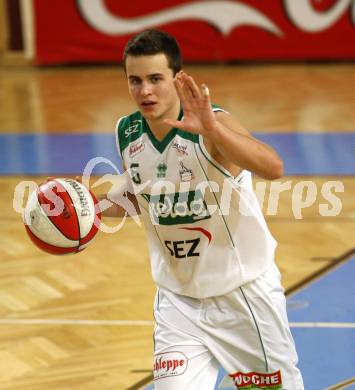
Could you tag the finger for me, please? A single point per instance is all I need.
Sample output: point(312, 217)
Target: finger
point(193, 87)
point(205, 91)
point(178, 87)
point(188, 91)
point(182, 80)
point(206, 95)
point(184, 99)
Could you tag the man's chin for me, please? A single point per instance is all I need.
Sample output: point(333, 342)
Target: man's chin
point(149, 115)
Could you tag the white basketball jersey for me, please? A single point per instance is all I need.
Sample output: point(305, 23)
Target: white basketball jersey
point(206, 232)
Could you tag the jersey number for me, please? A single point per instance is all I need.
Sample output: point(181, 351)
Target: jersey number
point(182, 249)
point(135, 174)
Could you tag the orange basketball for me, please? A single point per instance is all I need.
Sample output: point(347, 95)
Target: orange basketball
point(62, 216)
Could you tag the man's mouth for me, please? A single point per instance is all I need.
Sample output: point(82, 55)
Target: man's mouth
point(148, 104)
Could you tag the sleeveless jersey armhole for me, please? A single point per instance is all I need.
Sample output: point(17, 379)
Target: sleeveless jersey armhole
point(117, 136)
point(211, 160)
point(127, 185)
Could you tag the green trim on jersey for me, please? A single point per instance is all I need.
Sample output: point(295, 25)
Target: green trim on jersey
point(219, 207)
point(214, 106)
point(189, 136)
point(129, 129)
point(160, 146)
point(177, 208)
point(133, 126)
point(212, 163)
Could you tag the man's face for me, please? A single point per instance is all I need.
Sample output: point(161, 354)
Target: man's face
point(150, 83)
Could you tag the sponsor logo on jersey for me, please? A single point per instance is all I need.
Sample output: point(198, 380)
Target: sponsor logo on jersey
point(205, 232)
point(136, 148)
point(177, 208)
point(161, 170)
point(181, 149)
point(185, 173)
point(169, 364)
point(256, 380)
point(134, 128)
point(184, 249)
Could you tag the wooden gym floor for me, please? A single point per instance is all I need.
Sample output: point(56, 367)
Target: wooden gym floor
point(85, 321)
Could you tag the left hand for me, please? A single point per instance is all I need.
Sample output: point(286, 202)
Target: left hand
point(198, 115)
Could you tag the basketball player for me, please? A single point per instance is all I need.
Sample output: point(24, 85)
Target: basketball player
point(219, 300)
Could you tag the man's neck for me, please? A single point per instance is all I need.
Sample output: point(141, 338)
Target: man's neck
point(158, 127)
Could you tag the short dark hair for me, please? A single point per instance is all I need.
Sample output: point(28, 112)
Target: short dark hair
point(150, 42)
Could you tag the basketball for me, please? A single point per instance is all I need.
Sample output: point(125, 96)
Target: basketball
point(60, 216)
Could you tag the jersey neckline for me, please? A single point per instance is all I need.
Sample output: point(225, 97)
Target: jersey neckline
point(160, 146)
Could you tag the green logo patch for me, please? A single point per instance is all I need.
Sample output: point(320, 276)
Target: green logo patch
point(161, 170)
point(177, 208)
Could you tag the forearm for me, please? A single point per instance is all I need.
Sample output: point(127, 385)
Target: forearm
point(246, 152)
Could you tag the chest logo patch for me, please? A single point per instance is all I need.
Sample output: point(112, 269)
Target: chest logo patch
point(136, 148)
point(181, 149)
point(134, 128)
point(185, 173)
point(161, 170)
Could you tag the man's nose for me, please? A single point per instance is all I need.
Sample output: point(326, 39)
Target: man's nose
point(146, 88)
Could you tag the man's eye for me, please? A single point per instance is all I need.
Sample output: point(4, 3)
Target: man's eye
point(155, 79)
point(134, 81)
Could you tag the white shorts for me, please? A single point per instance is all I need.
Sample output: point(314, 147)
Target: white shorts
point(246, 332)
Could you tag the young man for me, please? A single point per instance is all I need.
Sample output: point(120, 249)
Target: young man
point(219, 298)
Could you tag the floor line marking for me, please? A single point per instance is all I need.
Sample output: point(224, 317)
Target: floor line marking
point(342, 385)
point(335, 325)
point(334, 264)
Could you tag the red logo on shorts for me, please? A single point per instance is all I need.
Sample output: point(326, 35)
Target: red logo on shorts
point(169, 364)
point(256, 380)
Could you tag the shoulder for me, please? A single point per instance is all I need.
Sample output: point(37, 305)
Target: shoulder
point(224, 117)
point(228, 120)
point(127, 121)
point(128, 129)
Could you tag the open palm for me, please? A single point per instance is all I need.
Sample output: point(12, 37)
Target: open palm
point(198, 115)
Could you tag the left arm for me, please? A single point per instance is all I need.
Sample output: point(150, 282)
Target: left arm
point(235, 144)
point(228, 141)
